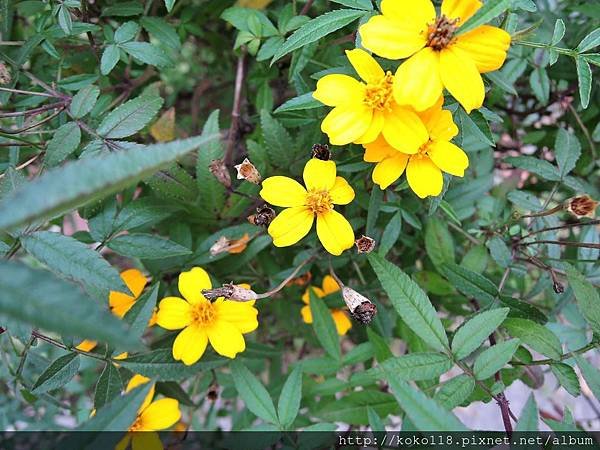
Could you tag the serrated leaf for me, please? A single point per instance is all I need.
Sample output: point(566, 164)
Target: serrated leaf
point(84, 101)
point(567, 378)
point(78, 182)
point(140, 313)
point(584, 78)
point(470, 283)
point(123, 9)
point(499, 251)
point(110, 58)
point(494, 358)
point(590, 41)
point(538, 166)
point(528, 419)
point(477, 329)
point(352, 408)
point(410, 302)
point(147, 53)
point(108, 387)
point(489, 11)
point(500, 80)
point(324, 326)
point(57, 374)
point(64, 142)
point(438, 242)
point(254, 394)
point(591, 375)
point(367, 5)
point(302, 102)
point(390, 234)
point(278, 141)
point(587, 297)
point(212, 193)
point(130, 117)
point(146, 246)
point(289, 399)
point(534, 335)
point(568, 150)
point(523, 310)
point(455, 391)
point(318, 28)
point(559, 32)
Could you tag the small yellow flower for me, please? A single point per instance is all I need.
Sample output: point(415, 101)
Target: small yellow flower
point(437, 59)
point(364, 110)
point(423, 168)
point(323, 190)
point(152, 416)
point(222, 322)
point(340, 318)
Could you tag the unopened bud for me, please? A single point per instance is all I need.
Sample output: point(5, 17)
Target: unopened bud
point(558, 287)
point(263, 217)
point(361, 308)
point(231, 292)
point(581, 206)
point(247, 171)
point(365, 244)
point(321, 151)
point(218, 168)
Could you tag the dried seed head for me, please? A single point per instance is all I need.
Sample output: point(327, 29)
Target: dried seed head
point(5, 76)
point(247, 171)
point(213, 392)
point(365, 244)
point(582, 206)
point(224, 244)
point(231, 292)
point(361, 308)
point(558, 287)
point(263, 217)
point(218, 168)
point(321, 151)
point(220, 246)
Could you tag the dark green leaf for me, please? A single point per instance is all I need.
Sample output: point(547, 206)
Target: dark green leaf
point(130, 117)
point(567, 378)
point(146, 246)
point(141, 312)
point(289, 399)
point(352, 408)
point(470, 283)
point(302, 102)
point(536, 336)
point(528, 420)
point(254, 394)
point(57, 374)
point(108, 387)
point(147, 53)
point(324, 326)
point(162, 31)
point(455, 391)
point(538, 166)
point(494, 358)
point(438, 242)
point(489, 11)
point(84, 101)
point(499, 251)
point(477, 329)
point(64, 142)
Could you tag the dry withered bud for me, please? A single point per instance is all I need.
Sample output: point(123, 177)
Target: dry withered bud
point(247, 171)
point(5, 76)
point(321, 151)
point(558, 287)
point(231, 292)
point(218, 168)
point(263, 217)
point(220, 246)
point(582, 206)
point(365, 244)
point(361, 308)
point(213, 392)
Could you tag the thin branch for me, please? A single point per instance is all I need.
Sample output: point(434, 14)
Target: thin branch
point(25, 164)
point(36, 124)
point(565, 243)
point(235, 112)
point(542, 362)
point(306, 7)
point(473, 239)
point(560, 227)
point(21, 91)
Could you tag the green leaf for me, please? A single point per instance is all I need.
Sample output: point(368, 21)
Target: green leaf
point(254, 394)
point(540, 84)
point(169, 4)
point(278, 141)
point(587, 297)
point(64, 142)
point(590, 41)
point(147, 53)
point(523, 310)
point(289, 399)
point(470, 283)
point(559, 32)
point(494, 358)
point(78, 182)
point(140, 313)
point(367, 5)
point(110, 58)
point(302, 102)
point(146, 246)
point(352, 408)
point(591, 375)
point(500, 80)
point(108, 387)
point(455, 391)
point(567, 150)
point(324, 326)
point(375, 422)
point(477, 329)
point(162, 31)
point(536, 336)
point(73, 259)
point(317, 29)
point(130, 117)
point(499, 251)
point(584, 78)
point(160, 364)
point(424, 412)
point(123, 9)
point(390, 234)
point(567, 378)
point(57, 374)
point(126, 32)
point(38, 298)
point(410, 302)
point(528, 420)
point(64, 20)
point(212, 193)
point(84, 101)
point(490, 10)
point(438, 242)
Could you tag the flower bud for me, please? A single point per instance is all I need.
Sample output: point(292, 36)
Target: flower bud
point(365, 244)
point(581, 206)
point(263, 217)
point(218, 168)
point(361, 308)
point(321, 151)
point(247, 171)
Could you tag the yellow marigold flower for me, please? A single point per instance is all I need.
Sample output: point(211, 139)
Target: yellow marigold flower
point(436, 57)
point(424, 168)
point(323, 190)
point(363, 110)
point(340, 318)
point(152, 416)
point(222, 322)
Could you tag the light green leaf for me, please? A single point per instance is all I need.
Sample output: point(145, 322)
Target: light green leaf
point(528, 420)
point(500, 80)
point(455, 391)
point(499, 251)
point(584, 78)
point(289, 399)
point(477, 329)
point(538, 166)
point(146, 246)
point(587, 296)
point(590, 41)
point(438, 242)
point(591, 375)
point(567, 378)
point(375, 421)
point(302, 102)
point(130, 117)
point(559, 32)
point(64, 20)
point(536, 336)
point(367, 5)
point(108, 387)
point(162, 31)
point(254, 394)
point(324, 326)
point(64, 142)
point(141, 312)
point(540, 84)
point(169, 4)
point(410, 302)
point(490, 10)
point(84, 101)
point(470, 283)
point(147, 53)
point(494, 358)
point(110, 58)
point(57, 374)
point(568, 150)
point(126, 32)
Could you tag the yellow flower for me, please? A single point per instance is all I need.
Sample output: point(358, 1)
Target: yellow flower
point(424, 168)
point(152, 416)
point(323, 190)
point(340, 318)
point(363, 110)
point(222, 322)
point(436, 57)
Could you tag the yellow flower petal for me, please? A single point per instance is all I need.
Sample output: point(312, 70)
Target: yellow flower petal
point(338, 89)
point(226, 339)
point(374, 129)
point(390, 169)
point(318, 292)
point(341, 193)
point(160, 414)
point(387, 39)
point(439, 123)
point(87, 345)
point(365, 65)
point(120, 357)
point(416, 13)
point(306, 314)
point(345, 124)
point(283, 191)
point(404, 130)
point(124, 442)
point(448, 157)
point(241, 314)
point(461, 77)
point(417, 81)
point(341, 320)
point(486, 45)
point(335, 232)
point(146, 440)
point(319, 175)
point(460, 9)
point(138, 380)
point(173, 313)
point(378, 150)
point(190, 344)
point(291, 225)
point(120, 303)
point(191, 284)
point(424, 177)
point(330, 285)
point(135, 281)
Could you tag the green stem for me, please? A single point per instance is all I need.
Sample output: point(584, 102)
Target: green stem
point(542, 362)
point(560, 50)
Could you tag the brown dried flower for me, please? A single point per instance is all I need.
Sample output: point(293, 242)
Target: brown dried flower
point(321, 151)
point(218, 168)
point(263, 217)
point(365, 244)
point(361, 308)
point(247, 171)
point(582, 206)
point(5, 76)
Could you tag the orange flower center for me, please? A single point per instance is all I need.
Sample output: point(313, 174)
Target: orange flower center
point(203, 314)
point(440, 32)
point(319, 201)
point(379, 95)
point(422, 153)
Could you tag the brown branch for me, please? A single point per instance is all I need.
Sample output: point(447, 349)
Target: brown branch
point(565, 243)
point(235, 112)
point(306, 7)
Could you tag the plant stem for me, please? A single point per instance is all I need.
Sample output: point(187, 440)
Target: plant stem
point(565, 243)
point(235, 112)
point(543, 362)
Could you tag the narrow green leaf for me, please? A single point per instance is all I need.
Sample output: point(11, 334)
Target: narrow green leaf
point(410, 302)
point(470, 283)
point(567, 378)
point(254, 394)
point(540, 84)
point(567, 149)
point(64, 20)
point(57, 374)
point(212, 193)
point(324, 326)
point(587, 296)
point(141, 312)
point(64, 142)
point(375, 421)
point(501, 81)
point(123, 9)
point(455, 391)
point(494, 358)
point(146, 246)
point(278, 141)
point(591, 375)
point(499, 251)
point(169, 4)
point(302, 102)
point(367, 5)
point(477, 329)
point(84, 101)
point(590, 41)
point(490, 10)
point(108, 387)
point(438, 242)
point(110, 58)
point(528, 420)
point(352, 408)
point(536, 336)
point(559, 32)
point(130, 117)
point(584, 78)
point(390, 234)
point(289, 399)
